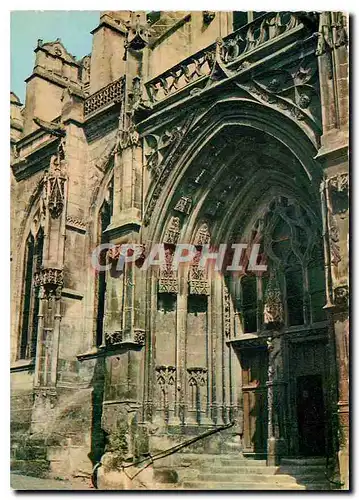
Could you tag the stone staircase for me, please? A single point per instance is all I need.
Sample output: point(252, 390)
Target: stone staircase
point(234, 472)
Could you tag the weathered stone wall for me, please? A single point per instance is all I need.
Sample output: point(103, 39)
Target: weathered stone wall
point(168, 365)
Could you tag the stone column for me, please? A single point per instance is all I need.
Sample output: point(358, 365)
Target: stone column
point(333, 60)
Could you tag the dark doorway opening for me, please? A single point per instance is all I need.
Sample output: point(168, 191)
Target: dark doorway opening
point(310, 412)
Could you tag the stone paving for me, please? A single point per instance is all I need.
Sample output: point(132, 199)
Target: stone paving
point(21, 482)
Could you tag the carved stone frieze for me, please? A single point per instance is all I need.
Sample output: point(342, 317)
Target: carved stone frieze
point(183, 205)
point(197, 376)
point(49, 278)
point(218, 60)
point(173, 231)
point(168, 282)
point(226, 311)
point(203, 236)
point(273, 305)
point(198, 282)
point(165, 375)
point(114, 92)
point(139, 337)
point(113, 338)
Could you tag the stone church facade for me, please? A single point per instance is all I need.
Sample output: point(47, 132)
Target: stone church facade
point(201, 128)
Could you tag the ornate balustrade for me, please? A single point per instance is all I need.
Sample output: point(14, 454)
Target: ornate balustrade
point(226, 52)
point(114, 92)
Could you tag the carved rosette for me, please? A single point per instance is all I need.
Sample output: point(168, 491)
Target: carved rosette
point(197, 376)
point(168, 282)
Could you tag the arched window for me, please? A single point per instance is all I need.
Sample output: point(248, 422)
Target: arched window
point(30, 310)
point(295, 277)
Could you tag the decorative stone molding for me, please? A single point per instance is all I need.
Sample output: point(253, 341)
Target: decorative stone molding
point(113, 338)
point(183, 205)
point(173, 231)
point(167, 282)
point(167, 165)
point(216, 57)
point(165, 375)
point(158, 146)
point(198, 283)
point(139, 337)
point(75, 223)
point(226, 311)
point(292, 90)
point(137, 34)
point(49, 278)
point(339, 182)
point(114, 92)
point(203, 235)
point(117, 338)
point(273, 306)
point(341, 296)
point(197, 376)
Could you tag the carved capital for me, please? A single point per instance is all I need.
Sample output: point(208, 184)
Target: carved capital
point(50, 280)
point(197, 376)
point(165, 375)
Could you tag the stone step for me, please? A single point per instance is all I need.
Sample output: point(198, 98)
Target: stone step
point(241, 469)
point(255, 478)
point(302, 469)
point(37, 468)
point(304, 461)
point(206, 485)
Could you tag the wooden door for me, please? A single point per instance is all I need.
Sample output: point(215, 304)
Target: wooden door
point(254, 377)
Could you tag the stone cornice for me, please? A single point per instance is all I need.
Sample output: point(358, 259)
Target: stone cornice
point(57, 80)
point(38, 159)
point(108, 22)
